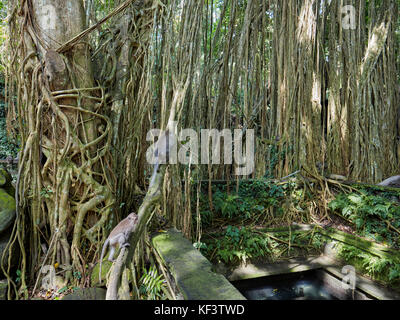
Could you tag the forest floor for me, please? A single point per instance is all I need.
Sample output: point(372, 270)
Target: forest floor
point(337, 223)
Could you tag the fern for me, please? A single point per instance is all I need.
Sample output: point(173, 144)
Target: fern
point(151, 285)
point(376, 267)
point(237, 246)
point(250, 202)
point(370, 215)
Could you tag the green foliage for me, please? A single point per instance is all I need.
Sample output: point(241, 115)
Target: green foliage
point(275, 156)
point(200, 245)
point(228, 204)
point(370, 214)
point(3, 31)
point(252, 201)
point(7, 146)
point(151, 285)
point(46, 192)
point(237, 245)
point(394, 273)
point(63, 290)
point(376, 267)
point(18, 278)
point(301, 243)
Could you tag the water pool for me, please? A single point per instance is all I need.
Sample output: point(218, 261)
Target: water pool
point(308, 285)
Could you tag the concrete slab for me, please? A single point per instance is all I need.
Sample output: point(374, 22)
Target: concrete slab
point(258, 270)
point(191, 270)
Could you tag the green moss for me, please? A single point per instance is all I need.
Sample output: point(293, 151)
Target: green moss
point(7, 210)
point(5, 182)
point(385, 270)
point(237, 246)
point(86, 294)
point(191, 270)
point(94, 277)
point(3, 290)
point(2, 178)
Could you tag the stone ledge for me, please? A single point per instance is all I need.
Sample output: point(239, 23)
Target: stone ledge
point(260, 269)
point(191, 271)
point(368, 286)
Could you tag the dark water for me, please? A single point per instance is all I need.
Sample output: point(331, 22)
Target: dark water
point(297, 286)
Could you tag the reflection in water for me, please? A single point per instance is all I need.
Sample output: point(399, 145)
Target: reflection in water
point(298, 286)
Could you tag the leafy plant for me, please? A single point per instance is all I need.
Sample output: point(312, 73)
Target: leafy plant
point(77, 275)
point(275, 156)
point(237, 245)
point(250, 202)
point(151, 285)
point(200, 245)
point(227, 204)
point(376, 267)
point(63, 289)
point(8, 148)
point(394, 273)
point(374, 216)
point(46, 192)
point(18, 278)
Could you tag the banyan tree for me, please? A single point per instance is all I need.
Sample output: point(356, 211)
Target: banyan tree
point(86, 81)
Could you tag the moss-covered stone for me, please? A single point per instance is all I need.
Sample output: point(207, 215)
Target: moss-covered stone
point(191, 270)
point(3, 178)
point(363, 244)
point(5, 182)
point(3, 290)
point(7, 210)
point(87, 294)
point(94, 277)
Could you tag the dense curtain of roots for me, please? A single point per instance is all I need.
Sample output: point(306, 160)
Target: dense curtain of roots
point(333, 89)
point(75, 160)
point(321, 99)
